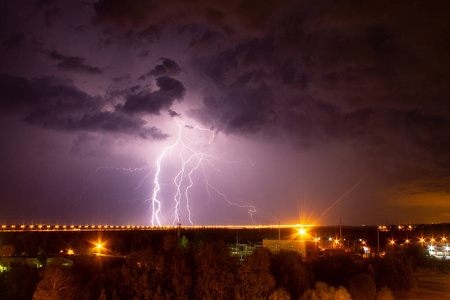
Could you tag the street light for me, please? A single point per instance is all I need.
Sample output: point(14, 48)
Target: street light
point(99, 248)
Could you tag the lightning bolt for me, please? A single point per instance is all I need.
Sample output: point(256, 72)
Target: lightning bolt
point(192, 161)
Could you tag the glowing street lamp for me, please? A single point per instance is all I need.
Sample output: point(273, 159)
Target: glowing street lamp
point(99, 248)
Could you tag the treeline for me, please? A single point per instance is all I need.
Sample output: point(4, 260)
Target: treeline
point(208, 271)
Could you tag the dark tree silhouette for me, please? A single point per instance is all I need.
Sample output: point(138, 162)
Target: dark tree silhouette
point(362, 287)
point(216, 271)
point(56, 284)
point(254, 280)
point(291, 273)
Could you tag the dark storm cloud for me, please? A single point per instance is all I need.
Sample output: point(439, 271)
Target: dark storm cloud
point(170, 90)
point(50, 103)
point(173, 113)
point(371, 75)
point(167, 67)
point(73, 63)
point(15, 40)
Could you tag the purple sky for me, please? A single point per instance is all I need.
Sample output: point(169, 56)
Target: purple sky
point(306, 111)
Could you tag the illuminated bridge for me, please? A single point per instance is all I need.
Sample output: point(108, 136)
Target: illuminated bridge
point(43, 227)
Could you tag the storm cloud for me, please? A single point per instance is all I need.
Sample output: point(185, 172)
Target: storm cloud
point(169, 90)
point(51, 103)
point(370, 75)
point(73, 63)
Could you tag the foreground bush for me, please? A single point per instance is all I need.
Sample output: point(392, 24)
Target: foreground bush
point(325, 292)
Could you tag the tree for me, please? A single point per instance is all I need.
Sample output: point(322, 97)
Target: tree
point(19, 282)
point(56, 284)
point(142, 275)
point(325, 292)
point(395, 271)
point(215, 270)
point(291, 273)
point(280, 294)
point(254, 280)
point(335, 270)
point(362, 287)
point(177, 283)
point(385, 294)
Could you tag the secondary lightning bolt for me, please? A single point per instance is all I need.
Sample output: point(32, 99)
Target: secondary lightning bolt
point(192, 160)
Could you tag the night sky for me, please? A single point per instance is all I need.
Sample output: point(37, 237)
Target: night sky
point(303, 111)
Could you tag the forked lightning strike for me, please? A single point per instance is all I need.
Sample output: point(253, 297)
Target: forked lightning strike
point(192, 161)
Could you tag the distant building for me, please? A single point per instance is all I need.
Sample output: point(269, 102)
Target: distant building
point(7, 262)
point(6, 251)
point(439, 250)
point(308, 249)
point(242, 250)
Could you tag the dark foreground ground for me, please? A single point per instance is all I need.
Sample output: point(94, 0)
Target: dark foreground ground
point(432, 284)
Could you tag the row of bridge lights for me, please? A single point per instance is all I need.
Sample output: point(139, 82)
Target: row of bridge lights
point(80, 227)
point(75, 227)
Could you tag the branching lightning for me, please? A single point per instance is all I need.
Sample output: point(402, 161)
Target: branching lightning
point(192, 161)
